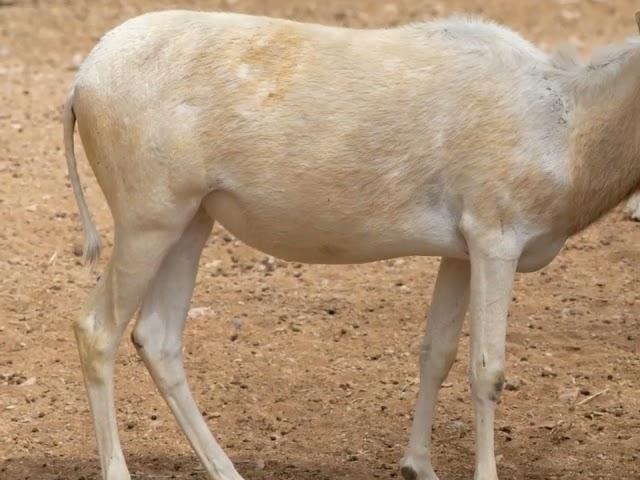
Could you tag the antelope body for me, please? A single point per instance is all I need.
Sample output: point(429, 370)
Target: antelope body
point(454, 138)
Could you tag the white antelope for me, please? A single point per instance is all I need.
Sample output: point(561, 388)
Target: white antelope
point(317, 144)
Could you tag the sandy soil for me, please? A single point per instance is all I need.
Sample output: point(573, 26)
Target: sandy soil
point(320, 382)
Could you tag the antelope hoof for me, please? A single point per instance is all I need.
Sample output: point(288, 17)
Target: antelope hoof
point(410, 471)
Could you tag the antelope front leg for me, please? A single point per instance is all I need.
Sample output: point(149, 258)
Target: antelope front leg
point(439, 348)
point(492, 275)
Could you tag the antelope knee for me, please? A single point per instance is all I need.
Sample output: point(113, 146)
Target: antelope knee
point(487, 383)
point(95, 347)
point(437, 359)
point(150, 342)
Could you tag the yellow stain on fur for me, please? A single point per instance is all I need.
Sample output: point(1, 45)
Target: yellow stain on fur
point(273, 59)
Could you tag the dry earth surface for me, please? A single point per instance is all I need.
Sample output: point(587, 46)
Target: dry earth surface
point(304, 372)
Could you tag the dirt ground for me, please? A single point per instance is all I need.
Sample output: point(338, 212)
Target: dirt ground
point(320, 382)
